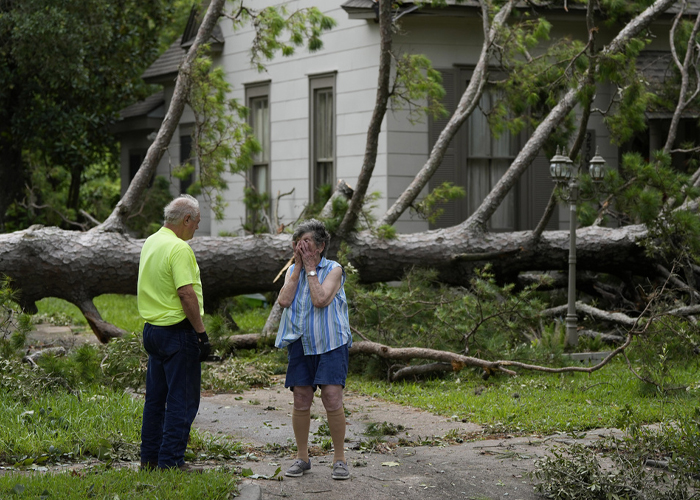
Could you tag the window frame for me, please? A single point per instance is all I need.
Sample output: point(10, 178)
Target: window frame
point(187, 132)
point(491, 158)
point(320, 82)
point(253, 92)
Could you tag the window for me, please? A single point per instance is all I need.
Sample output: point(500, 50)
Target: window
point(258, 201)
point(488, 157)
point(322, 144)
point(136, 157)
point(186, 159)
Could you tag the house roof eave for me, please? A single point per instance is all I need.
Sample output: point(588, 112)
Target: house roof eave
point(366, 9)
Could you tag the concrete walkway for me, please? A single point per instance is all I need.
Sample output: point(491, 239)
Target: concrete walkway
point(480, 467)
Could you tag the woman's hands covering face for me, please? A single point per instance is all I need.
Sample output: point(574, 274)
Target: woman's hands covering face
point(305, 254)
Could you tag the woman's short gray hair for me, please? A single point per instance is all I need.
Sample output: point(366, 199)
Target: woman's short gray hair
point(183, 205)
point(317, 229)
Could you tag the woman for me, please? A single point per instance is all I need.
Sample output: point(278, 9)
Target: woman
point(316, 331)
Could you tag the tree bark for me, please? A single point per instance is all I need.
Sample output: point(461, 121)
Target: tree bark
point(690, 59)
point(51, 262)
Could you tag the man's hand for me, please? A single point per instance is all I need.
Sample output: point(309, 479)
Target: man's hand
point(204, 346)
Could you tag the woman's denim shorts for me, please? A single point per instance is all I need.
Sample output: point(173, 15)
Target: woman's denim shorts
point(329, 368)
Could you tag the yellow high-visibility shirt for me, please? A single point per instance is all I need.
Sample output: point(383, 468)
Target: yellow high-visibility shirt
point(167, 263)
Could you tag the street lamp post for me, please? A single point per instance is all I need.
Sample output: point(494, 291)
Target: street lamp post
point(566, 176)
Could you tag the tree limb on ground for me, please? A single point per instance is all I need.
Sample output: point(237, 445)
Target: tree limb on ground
point(49, 351)
point(593, 312)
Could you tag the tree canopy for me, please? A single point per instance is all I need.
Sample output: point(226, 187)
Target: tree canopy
point(66, 69)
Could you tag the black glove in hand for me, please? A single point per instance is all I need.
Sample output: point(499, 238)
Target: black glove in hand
point(204, 346)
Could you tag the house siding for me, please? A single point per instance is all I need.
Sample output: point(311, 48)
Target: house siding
point(355, 71)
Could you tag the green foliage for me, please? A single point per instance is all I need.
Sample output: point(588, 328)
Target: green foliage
point(645, 189)
point(222, 139)
point(383, 429)
point(416, 82)
point(665, 343)
point(386, 232)
point(429, 207)
point(14, 324)
point(273, 22)
point(323, 194)
point(485, 320)
point(531, 86)
point(339, 207)
point(113, 483)
point(124, 362)
point(633, 97)
point(256, 205)
point(46, 197)
point(577, 472)
point(66, 70)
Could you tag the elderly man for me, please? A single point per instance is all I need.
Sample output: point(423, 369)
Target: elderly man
point(170, 300)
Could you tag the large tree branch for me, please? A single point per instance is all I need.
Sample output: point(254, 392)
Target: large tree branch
point(684, 69)
point(467, 104)
point(593, 312)
point(116, 221)
point(375, 124)
point(477, 221)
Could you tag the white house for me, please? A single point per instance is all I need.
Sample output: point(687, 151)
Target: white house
point(311, 111)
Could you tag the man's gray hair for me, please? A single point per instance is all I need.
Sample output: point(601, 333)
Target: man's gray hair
point(317, 229)
point(183, 205)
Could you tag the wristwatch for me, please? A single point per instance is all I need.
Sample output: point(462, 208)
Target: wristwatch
point(311, 273)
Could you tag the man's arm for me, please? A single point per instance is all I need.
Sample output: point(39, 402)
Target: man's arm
point(190, 304)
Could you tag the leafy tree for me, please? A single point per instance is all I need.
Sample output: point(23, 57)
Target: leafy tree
point(66, 69)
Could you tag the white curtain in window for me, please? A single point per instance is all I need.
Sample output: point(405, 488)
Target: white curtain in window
point(260, 178)
point(504, 217)
point(323, 125)
point(479, 134)
point(260, 118)
point(478, 182)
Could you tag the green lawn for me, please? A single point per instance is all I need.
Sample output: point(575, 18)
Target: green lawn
point(539, 403)
point(121, 311)
point(103, 482)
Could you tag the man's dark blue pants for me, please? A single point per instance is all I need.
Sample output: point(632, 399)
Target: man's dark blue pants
point(172, 393)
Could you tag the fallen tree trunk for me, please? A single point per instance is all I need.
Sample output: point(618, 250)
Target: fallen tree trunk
point(75, 266)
